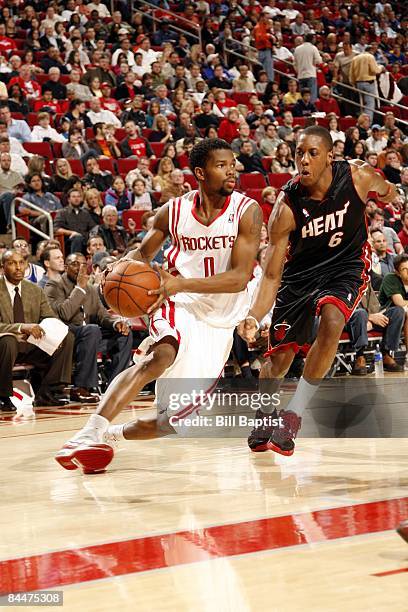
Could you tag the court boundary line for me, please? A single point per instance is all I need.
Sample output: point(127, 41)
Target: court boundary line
point(222, 524)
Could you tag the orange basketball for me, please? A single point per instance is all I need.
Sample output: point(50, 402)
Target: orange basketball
point(126, 288)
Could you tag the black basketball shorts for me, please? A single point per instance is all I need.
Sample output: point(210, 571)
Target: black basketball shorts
point(297, 306)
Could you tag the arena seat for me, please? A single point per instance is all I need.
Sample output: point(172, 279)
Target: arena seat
point(255, 194)
point(39, 148)
point(107, 165)
point(255, 180)
point(278, 180)
point(76, 167)
point(136, 215)
point(189, 178)
point(125, 165)
point(347, 122)
point(267, 162)
point(57, 149)
point(157, 148)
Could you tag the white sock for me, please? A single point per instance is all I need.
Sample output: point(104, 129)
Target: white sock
point(303, 394)
point(117, 431)
point(98, 422)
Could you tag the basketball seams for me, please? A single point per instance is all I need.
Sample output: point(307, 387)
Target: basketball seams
point(120, 288)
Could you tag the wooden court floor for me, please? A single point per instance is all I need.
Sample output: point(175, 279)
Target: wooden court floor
point(203, 525)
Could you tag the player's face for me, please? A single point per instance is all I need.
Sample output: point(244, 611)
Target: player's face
point(312, 159)
point(219, 174)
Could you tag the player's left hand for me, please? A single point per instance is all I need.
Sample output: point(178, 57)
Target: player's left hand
point(122, 327)
point(169, 285)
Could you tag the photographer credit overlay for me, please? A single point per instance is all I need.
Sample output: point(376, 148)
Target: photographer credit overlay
point(341, 408)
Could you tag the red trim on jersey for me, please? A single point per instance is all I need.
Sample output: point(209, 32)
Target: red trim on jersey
point(221, 212)
point(241, 206)
point(172, 230)
point(303, 348)
point(177, 251)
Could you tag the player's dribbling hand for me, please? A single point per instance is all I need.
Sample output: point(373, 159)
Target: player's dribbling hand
point(248, 329)
point(169, 285)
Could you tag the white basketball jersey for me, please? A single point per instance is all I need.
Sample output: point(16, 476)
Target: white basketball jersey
point(199, 251)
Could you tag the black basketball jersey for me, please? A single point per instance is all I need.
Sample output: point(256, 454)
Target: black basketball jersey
point(330, 235)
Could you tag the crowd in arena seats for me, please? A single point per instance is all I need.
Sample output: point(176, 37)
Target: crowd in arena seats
point(100, 106)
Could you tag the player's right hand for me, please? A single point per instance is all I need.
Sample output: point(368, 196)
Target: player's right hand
point(248, 330)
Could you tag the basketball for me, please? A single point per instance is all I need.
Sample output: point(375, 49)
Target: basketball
point(126, 288)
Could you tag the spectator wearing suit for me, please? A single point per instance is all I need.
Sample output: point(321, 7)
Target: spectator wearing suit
point(77, 303)
point(59, 90)
point(23, 306)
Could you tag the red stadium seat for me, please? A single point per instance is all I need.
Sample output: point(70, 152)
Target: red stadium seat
point(42, 78)
point(39, 148)
point(255, 194)
point(136, 215)
point(120, 134)
point(107, 165)
point(252, 181)
point(241, 97)
point(278, 180)
point(157, 148)
point(76, 167)
point(189, 178)
point(126, 165)
point(267, 162)
point(347, 122)
point(57, 149)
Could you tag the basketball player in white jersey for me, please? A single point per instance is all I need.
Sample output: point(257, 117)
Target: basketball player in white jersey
point(215, 235)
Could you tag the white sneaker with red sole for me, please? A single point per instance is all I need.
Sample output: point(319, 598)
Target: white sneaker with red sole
point(92, 458)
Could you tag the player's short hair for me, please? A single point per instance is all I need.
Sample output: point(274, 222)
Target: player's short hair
point(399, 260)
point(321, 132)
point(201, 152)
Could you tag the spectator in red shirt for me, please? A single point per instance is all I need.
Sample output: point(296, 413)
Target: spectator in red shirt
point(326, 103)
point(268, 202)
point(403, 234)
point(47, 101)
point(134, 145)
point(107, 102)
point(6, 44)
point(31, 88)
point(229, 127)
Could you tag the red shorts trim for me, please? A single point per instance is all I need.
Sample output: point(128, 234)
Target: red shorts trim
point(331, 299)
point(294, 346)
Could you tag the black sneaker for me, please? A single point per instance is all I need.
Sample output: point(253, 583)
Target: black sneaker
point(258, 439)
point(282, 440)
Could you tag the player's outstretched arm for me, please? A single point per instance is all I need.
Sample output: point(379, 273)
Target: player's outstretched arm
point(154, 239)
point(281, 224)
point(366, 179)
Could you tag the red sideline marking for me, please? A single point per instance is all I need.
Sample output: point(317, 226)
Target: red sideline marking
point(74, 566)
point(391, 572)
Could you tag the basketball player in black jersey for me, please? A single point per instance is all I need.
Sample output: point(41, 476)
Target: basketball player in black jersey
point(317, 264)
